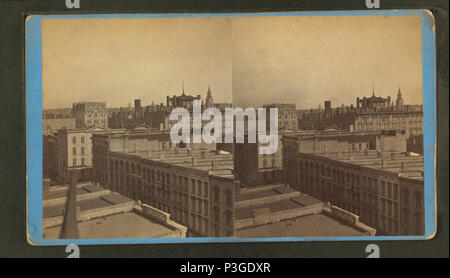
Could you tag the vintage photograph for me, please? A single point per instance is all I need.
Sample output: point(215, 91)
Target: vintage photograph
point(241, 127)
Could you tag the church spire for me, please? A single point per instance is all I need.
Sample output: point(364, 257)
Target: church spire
point(399, 101)
point(209, 98)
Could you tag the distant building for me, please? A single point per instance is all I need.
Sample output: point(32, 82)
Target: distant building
point(54, 119)
point(287, 115)
point(209, 102)
point(370, 114)
point(90, 114)
point(157, 116)
point(74, 153)
point(105, 214)
point(50, 157)
point(182, 101)
point(192, 182)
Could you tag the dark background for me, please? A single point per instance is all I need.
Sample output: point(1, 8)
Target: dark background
point(13, 149)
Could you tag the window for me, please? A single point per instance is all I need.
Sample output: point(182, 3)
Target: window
point(395, 191)
point(199, 188)
point(74, 150)
point(206, 189)
point(74, 162)
point(82, 139)
point(216, 194)
point(228, 198)
point(82, 150)
point(74, 139)
point(82, 162)
point(417, 200)
point(389, 190)
point(192, 186)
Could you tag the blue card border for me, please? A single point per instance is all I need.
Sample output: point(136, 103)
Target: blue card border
point(33, 94)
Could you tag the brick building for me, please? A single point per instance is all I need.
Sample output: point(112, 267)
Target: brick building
point(287, 115)
point(253, 168)
point(73, 152)
point(194, 183)
point(90, 114)
point(367, 183)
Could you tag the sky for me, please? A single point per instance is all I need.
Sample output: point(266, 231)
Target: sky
point(250, 60)
point(119, 60)
point(307, 60)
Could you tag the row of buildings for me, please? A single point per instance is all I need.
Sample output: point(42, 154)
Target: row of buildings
point(370, 114)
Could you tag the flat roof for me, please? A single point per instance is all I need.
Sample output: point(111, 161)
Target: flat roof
point(57, 210)
point(125, 224)
point(219, 164)
point(315, 225)
point(122, 225)
point(410, 166)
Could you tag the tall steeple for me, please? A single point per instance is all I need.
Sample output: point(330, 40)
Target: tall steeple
point(183, 88)
point(209, 99)
point(399, 101)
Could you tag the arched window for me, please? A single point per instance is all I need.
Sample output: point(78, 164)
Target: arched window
point(228, 198)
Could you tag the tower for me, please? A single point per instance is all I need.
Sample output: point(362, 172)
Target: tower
point(209, 99)
point(399, 101)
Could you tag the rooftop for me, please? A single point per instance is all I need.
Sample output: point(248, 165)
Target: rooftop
point(216, 162)
point(105, 214)
point(279, 211)
point(314, 225)
point(407, 165)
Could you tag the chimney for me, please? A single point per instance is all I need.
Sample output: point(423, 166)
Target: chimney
point(194, 161)
point(327, 106)
point(213, 165)
point(383, 163)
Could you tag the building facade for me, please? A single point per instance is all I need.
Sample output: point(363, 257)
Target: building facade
point(90, 114)
point(367, 183)
point(287, 115)
point(74, 153)
point(55, 119)
point(194, 184)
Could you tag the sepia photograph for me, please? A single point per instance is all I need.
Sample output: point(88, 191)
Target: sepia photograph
point(243, 127)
